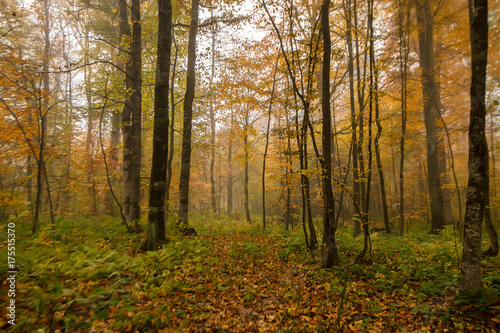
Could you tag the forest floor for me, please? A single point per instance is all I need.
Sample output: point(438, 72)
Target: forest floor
point(88, 276)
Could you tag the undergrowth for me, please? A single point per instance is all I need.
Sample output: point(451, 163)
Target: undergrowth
point(90, 273)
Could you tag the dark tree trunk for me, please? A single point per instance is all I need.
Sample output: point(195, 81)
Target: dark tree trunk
point(156, 216)
point(383, 195)
point(478, 183)
point(289, 172)
point(212, 126)
point(131, 108)
point(114, 157)
point(403, 23)
point(91, 117)
point(42, 109)
point(188, 117)
point(361, 78)
point(172, 126)
point(267, 146)
point(371, 93)
point(246, 180)
point(136, 99)
point(431, 113)
point(230, 171)
point(375, 96)
point(329, 249)
point(354, 122)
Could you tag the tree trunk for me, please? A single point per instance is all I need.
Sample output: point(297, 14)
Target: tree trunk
point(246, 180)
point(136, 99)
point(329, 249)
point(212, 125)
point(188, 117)
point(354, 122)
point(114, 156)
point(375, 96)
point(267, 145)
point(431, 113)
point(361, 78)
point(43, 109)
point(230, 171)
point(131, 202)
point(371, 93)
point(289, 168)
point(156, 216)
point(89, 143)
point(403, 23)
point(477, 188)
point(172, 126)
point(383, 196)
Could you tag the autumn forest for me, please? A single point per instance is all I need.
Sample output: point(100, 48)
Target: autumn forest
point(249, 165)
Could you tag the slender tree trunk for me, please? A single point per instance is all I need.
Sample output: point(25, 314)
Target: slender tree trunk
point(188, 117)
point(156, 216)
point(371, 92)
point(425, 37)
point(354, 122)
point(361, 78)
point(329, 249)
point(39, 177)
point(442, 158)
point(172, 126)
point(212, 125)
point(114, 156)
point(477, 188)
point(125, 32)
point(230, 167)
point(289, 167)
point(136, 101)
point(246, 150)
point(89, 143)
point(42, 110)
point(403, 22)
point(383, 195)
point(267, 145)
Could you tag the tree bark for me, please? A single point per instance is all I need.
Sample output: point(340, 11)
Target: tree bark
point(188, 118)
point(156, 215)
point(114, 156)
point(131, 111)
point(403, 27)
point(371, 100)
point(230, 167)
point(172, 126)
point(212, 125)
point(477, 187)
point(329, 249)
point(431, 113)
point(361, 78)
point(136, 99)
point(267, 145)
point(246, 179)
point(354, 122)
point(42, 109)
